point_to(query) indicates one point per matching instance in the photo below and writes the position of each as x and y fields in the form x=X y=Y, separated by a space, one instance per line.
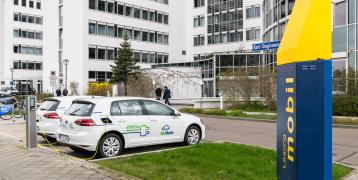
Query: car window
x=115 y=111
x=80 y=109
x=49 y=105
x=127 y=108
x=155 y=108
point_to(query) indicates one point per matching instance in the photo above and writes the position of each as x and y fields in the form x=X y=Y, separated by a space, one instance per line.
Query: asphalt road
x=345 y=141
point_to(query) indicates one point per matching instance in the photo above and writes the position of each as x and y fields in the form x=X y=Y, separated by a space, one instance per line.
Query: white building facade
x=21 y=45
x=87 y=33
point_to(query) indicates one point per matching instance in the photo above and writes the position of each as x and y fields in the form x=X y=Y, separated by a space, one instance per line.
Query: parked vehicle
x=49 y=113
x=8 y=91
x=108 y=125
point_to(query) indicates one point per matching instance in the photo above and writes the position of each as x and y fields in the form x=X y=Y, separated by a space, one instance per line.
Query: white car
x=108 y=125
x=49 y=113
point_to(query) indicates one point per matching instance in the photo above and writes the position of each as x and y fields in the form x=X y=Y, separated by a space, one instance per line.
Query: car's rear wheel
x=110 y=145
x=192 y=135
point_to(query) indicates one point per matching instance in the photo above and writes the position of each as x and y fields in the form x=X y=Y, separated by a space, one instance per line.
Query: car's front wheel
x=110 y=145
x=192 y=135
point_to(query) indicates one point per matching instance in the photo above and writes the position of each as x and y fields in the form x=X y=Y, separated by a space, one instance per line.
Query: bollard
x=31 y=134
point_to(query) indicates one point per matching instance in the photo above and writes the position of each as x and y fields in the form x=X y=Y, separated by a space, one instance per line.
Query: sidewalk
x=16 y=162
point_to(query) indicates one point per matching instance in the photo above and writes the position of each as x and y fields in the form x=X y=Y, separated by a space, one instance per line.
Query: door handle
x=153 y=120
x=122 y=121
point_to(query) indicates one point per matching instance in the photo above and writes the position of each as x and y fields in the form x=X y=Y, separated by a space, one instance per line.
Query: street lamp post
x=12 y=78
x=66 y=62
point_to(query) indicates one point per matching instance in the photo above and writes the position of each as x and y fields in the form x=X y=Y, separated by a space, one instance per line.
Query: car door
x=167 y=127
x=128 y=115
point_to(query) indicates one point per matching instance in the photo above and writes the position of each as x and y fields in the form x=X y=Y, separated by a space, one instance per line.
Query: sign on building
x=266 y=46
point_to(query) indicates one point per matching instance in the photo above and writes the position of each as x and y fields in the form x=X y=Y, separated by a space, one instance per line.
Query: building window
x=253 y=34
x=92 y=28
x=110 y=6
x=199 y=3
x=92 y=4
x=129 y=11
x=120 y=32
x=199 y=40
x=253 y=12
x=92 y=53
x=340 y=14
x=16 y=2
x=199 y=21
x=31 y=4
x=110 y=30
x=120 y=10
x=23 y=3
x=110 y=54
x=137 y=13
x=101 y=53
x=101 y=29
x=38 y=5
x=102 y=5
x=25 y=49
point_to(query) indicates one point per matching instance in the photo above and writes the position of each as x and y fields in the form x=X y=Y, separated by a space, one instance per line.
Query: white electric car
x=49 y=113
x=108 y=125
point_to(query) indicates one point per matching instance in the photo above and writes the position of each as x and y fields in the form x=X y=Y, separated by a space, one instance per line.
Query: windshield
x=49 y=105
x=80 y=109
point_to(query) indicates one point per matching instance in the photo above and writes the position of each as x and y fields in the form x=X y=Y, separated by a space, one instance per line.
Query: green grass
x=205 y=161
x=345 y=121
x=232 y=113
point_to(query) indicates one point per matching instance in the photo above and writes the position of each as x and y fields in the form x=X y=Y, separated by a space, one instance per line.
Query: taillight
x=85 y=122
x=51 y=115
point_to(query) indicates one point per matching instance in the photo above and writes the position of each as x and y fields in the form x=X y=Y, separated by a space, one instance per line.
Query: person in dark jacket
x=58 y=92
x=167 y=95
x=65 y=92
x=158 y=93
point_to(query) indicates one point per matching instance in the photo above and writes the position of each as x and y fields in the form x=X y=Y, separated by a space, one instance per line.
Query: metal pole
x=66 y=61
x=12 y=78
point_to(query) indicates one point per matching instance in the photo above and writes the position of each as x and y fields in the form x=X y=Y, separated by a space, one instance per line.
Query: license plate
x=64 y=138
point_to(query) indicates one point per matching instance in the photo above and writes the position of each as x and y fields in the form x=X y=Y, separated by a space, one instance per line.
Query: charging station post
x=31 y=134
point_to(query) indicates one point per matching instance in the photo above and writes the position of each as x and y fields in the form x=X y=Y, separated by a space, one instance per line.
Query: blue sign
x=304 y=126
x=266 y=46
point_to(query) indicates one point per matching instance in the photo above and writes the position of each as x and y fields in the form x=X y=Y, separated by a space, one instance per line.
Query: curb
x=267 y=120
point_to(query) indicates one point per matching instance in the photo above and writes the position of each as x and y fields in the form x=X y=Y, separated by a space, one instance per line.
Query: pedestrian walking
x=158 y=93
x=167 y=95
x=65 y=92
x=58 y=92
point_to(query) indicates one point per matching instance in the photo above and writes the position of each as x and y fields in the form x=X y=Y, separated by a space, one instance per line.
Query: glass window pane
x=351 y=37
x=351 y=11
x=101 y=29
x=101 y=53
x=92 y=28
x=130 y=108
x=340 y=39
x=155 y=108
x=102 y=5
x=340 y=14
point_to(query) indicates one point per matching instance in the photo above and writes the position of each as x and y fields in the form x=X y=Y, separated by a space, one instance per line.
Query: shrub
x=192 y=110
x=254 y=106
x=42 y=96
x=345 y=105
x=216 y=112
x=99 y=89
x=236 y=113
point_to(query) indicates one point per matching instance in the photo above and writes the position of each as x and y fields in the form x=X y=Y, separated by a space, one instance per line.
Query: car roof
x=111 y=99
x=70 y=98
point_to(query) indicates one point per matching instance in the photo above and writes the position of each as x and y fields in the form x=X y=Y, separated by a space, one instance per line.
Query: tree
x=124 y=68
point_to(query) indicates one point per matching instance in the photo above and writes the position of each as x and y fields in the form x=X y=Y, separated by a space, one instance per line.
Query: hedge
x=345 y=105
